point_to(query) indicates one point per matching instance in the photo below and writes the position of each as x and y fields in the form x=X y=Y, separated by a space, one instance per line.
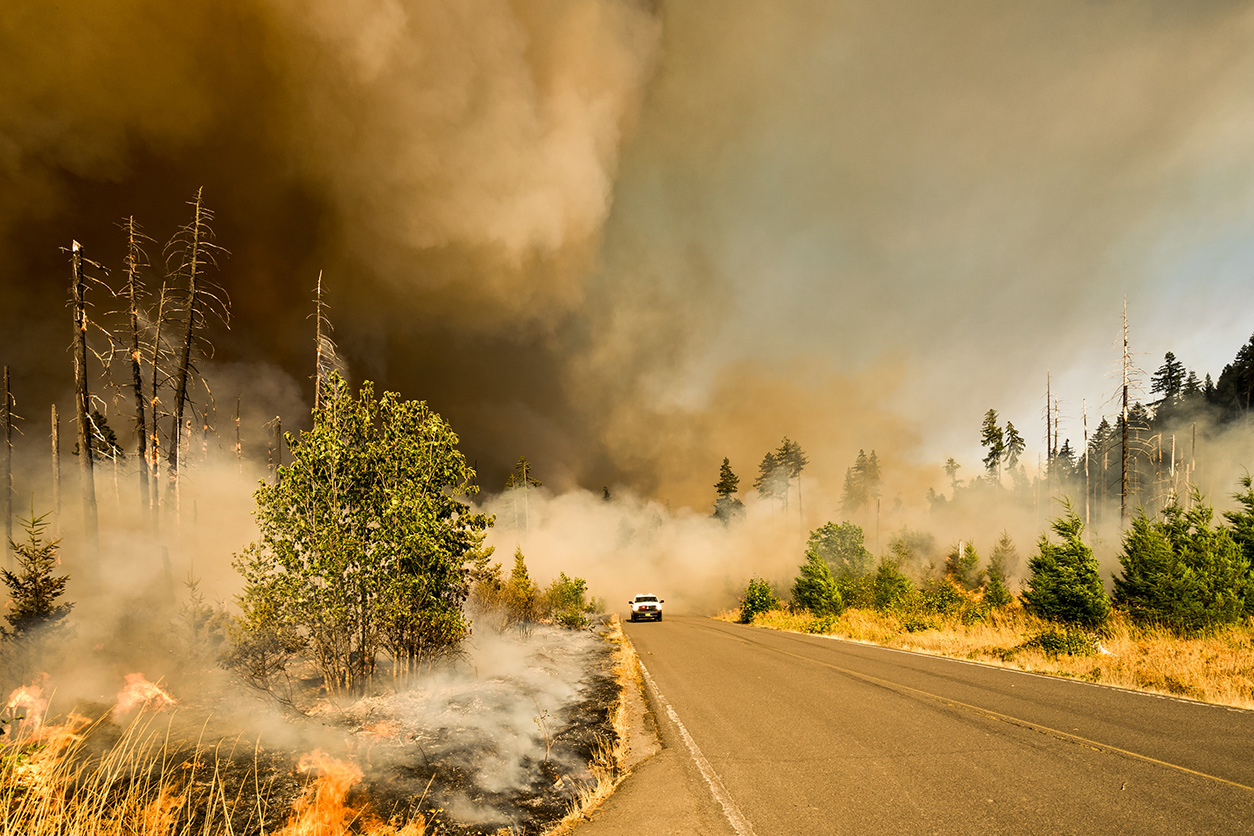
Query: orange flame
x=139 y=691
x=38 y=771
x=29 y=698
x=321 y=810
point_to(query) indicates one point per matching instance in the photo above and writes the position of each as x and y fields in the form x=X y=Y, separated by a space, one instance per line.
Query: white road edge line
x=737 y=819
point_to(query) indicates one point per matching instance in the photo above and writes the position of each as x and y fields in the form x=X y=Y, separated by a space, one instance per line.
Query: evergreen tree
x=1003 y=561
x=727 y=507
x=891 y=588
x=993 y=439
x=1181 y=572
x=951 y=470
x=815 y=588
x=862 y=483
x=1014 y=445
x=35 y=589
x=772 y=481
x=961 y=566
x=1064 y=584
x=1232 y=393
x=1169 y=379
x=1242 y=520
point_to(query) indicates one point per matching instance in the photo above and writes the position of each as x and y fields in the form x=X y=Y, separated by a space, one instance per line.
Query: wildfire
x=29 y=698
x=139 y=691
x=321 y=811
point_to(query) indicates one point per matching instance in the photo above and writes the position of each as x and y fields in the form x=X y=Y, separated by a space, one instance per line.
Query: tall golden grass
x=1216 y=668
x=146 y=784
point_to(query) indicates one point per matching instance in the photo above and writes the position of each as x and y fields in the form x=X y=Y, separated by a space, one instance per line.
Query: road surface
x=779 y=733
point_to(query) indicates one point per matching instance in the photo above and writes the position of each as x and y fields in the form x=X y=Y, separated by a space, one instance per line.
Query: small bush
x=758 y=598
x=1055 y=642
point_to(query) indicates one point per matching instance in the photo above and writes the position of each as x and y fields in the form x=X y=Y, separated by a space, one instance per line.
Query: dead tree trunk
x=134 y=259
x=195 y=248
x=154 y=461
x=1123 y=483
x=8 y=469
x=191 y=267
x=56 y=470
x=91 y=523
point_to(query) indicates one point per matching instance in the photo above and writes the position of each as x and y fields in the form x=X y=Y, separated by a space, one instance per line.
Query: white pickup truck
x=646 y=606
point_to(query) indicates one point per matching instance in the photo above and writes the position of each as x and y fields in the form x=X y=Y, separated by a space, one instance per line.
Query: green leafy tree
x=758 y=598
x=366 y=544
x=842 y=547
x=1182 y=572
x=815 y=588
x=566 y=600
x=1064 y=584
x=34 y=590
x=727 y=507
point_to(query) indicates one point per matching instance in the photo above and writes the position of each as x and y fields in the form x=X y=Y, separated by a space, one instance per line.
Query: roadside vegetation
x=1180 y=620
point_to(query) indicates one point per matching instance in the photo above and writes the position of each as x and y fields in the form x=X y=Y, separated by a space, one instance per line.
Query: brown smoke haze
x=628 y=238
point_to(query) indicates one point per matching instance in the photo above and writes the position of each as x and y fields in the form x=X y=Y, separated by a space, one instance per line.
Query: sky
x=626 y=239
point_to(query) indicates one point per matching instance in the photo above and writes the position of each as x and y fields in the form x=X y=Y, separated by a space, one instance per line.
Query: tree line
x=1180 y=570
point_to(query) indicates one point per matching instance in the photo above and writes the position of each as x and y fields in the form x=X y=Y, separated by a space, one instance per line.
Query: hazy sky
x=627 y=239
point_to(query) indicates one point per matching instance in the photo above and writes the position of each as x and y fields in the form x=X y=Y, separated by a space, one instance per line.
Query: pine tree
x=961 y=566
x=951 y=470
x=1003 y=560
x=1064 y=584
x=1169 y=379
x=992 y=438
x=1181 y=572
x=1014 y=445
x=34 y=590
x=772 y=481
x=727 y=507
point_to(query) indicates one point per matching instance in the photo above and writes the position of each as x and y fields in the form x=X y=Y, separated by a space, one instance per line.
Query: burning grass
x=457 y=755
x=1218 y=668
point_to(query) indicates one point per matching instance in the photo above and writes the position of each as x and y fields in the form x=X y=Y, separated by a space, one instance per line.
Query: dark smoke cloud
x=627 y=241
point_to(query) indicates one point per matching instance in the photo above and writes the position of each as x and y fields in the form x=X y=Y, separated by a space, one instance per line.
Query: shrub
x=1056 y=642
x=891 y=589
x=565 y=601
x=758 y=598
x=815 y=589
x=1064 y=584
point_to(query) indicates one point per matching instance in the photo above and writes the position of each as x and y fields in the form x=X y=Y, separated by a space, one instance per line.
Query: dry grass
x=143 y=784
x=608 y=762
x=1218 y=668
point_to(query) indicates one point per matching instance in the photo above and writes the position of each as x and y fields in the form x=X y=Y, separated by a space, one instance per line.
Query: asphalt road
x=778 y=733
